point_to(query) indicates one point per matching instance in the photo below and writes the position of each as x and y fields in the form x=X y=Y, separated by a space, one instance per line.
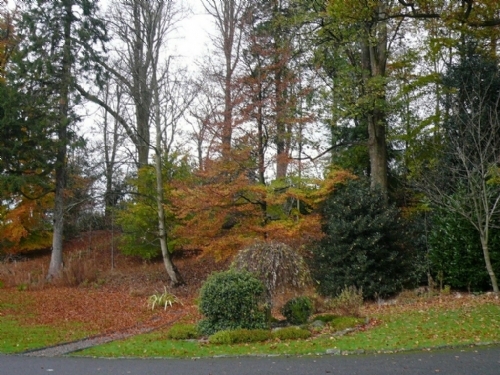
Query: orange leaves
x=24 y=225
x=226 y=210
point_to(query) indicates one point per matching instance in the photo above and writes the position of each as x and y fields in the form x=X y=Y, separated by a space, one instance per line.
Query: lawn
x=434 y=323
x=21 y=331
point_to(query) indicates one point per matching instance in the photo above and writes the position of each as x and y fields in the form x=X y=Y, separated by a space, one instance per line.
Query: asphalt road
x=480 y=361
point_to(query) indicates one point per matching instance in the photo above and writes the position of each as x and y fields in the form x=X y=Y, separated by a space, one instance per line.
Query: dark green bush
x=183 y=332
x=366 y=244
x=455 y=253
x=291 y=333
x=230 y=300
x=240 y=336
x=297 y=310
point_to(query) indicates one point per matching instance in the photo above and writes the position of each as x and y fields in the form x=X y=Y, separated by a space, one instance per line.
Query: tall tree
x=141 y=30
x=8 y=40
x=58 y=36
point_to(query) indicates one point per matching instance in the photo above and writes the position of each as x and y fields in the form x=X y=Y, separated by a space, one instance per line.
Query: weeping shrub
x=276 y=264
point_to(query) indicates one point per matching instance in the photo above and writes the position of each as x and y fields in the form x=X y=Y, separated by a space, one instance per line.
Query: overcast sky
x=192 y=34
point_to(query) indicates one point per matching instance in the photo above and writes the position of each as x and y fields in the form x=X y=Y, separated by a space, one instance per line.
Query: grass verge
x=20 y=332
x=16 y=337
x=403 y=330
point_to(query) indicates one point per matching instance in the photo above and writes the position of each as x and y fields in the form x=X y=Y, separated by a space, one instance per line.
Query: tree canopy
x=101 y=118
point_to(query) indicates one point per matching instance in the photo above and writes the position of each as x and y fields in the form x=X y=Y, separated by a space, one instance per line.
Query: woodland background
x=364 y=134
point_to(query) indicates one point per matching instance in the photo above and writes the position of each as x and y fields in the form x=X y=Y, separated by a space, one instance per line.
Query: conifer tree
x=56 y=52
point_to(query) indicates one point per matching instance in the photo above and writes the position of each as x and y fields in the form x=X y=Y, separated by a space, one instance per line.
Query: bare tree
x=113 y=139
x=227 y=16
x=466 y=181
x=141 y=29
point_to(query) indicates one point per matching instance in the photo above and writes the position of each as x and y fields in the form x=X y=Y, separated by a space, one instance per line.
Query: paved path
x=476 y=361
x=70 y=347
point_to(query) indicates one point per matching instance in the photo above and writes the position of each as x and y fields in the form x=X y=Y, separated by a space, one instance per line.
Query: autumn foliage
x=24 y=225
x=223 y=209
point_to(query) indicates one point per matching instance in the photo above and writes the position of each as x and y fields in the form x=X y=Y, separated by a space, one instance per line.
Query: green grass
x=398 y=331
x=16 y=335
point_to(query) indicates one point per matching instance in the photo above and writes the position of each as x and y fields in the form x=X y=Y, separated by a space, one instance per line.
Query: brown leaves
x=99 y=311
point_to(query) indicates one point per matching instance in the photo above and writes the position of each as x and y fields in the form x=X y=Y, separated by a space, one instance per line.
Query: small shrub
x=348 y=302
x=77 y=271
x=291 y=333
x=446 y=291
x=231 y=300
x=326 y=318
x=240 y=336
x=297 y=310
x=344 y=322
x=221 y=338
x=183 y=332
x=164 y=299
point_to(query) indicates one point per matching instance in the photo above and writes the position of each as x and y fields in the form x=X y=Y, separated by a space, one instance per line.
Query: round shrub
x=366 y=244
x=231 y=300
x=276 y=264
x=297 y=310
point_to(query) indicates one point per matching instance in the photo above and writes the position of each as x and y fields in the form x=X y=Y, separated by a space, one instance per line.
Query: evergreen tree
x=55 y=51
x=365 y=244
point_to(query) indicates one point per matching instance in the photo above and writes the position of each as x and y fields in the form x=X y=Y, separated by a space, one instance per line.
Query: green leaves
x=230 y=300
x=366 y=244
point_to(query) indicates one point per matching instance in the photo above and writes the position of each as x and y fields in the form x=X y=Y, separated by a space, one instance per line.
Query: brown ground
x=105 y=298
x=110 y=299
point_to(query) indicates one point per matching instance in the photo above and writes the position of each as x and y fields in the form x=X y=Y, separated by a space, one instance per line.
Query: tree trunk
x=374 y=60
x=227 y=127
x=377 y=151
x=487 y=261
x=56 y=259
x=172 y=271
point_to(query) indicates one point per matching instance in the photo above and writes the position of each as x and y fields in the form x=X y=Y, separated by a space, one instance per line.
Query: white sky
x=192 y=35
x=194 y=31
